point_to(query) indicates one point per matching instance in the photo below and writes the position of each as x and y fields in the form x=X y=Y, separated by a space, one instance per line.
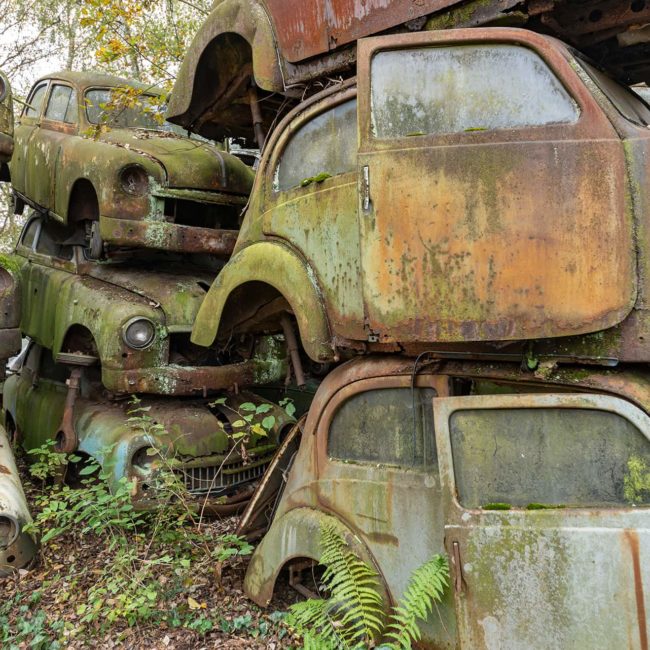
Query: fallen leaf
x=193 y=603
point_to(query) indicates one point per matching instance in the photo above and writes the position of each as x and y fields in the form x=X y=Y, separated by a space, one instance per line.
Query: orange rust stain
x=4 y=470
x=632 y=538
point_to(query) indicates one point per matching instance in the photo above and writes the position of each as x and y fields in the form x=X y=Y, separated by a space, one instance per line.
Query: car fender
x=84 y=159
x=17 y=548
x=296 y=534
x=246 y=18
x=277 y=265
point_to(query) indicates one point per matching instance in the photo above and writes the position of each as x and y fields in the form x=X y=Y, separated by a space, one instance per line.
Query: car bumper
x=163 y=235
x=182 y=380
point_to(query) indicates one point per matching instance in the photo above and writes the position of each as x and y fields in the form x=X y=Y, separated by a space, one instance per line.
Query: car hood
x=189 y=164
x=179 y=295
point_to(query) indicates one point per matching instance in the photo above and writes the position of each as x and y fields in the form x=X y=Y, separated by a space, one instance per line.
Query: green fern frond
x=353 y=587
x=426 y=587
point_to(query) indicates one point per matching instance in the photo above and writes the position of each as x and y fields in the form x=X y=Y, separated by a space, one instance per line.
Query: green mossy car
x=94 y=150
x=201 y=440
x=130 y=315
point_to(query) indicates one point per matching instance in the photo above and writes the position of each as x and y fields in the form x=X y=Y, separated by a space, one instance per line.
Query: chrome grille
x=217 y=479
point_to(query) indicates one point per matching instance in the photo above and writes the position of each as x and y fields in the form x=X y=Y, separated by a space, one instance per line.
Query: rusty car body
x=17 y=548
x=536 y=488
x=193 y=438
x=93 y=150
x=6 y=125
x=517 y=212
x=131 y=316
x=246 y=48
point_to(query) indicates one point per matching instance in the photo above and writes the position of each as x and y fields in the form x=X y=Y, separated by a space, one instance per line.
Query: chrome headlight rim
x=143 y=461
x=134 y=179
x=138 y=345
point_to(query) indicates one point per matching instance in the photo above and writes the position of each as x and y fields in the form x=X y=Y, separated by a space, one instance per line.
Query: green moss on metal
x=496 y=506
x=637 y=481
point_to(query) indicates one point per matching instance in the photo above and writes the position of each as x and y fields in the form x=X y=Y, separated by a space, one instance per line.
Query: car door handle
x=365 y=188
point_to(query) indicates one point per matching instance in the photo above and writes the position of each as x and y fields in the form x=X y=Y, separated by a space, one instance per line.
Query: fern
x=425 y=588
x=353 y=615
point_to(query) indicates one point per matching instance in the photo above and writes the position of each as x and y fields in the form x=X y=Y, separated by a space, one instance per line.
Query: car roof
x=88 y=78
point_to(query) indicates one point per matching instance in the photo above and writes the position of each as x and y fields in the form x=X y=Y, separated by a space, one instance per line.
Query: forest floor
x=141 y=588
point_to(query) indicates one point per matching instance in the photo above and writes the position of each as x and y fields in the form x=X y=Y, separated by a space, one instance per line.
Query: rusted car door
x=492 y=191
x=311 y=202
x=23 y=133
x=378 y=472
x=547 y=519
x=58 y=123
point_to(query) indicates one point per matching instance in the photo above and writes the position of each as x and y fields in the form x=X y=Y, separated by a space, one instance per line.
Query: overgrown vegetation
x=352 y=616
x=153 y=570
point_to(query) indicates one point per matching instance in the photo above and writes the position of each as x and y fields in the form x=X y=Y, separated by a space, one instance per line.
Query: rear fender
x=295 y=534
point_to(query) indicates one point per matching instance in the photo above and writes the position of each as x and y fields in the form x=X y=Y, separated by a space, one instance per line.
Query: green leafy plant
x=353 y=614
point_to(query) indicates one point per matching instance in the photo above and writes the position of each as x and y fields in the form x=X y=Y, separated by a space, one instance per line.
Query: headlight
x=144 y=458
x=134 y=180
x=3 y=87
x=139 y=333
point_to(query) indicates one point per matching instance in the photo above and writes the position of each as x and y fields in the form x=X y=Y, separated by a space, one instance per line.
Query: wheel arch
x=275 y=265
x=84 y=196
x=297 y=534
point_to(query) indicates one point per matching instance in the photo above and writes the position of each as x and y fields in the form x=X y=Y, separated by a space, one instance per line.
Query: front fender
x=296 y=534
x=278 y=266
x=246 y=18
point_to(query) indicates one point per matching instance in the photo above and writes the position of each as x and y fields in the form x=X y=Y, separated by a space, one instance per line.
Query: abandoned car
x=394 y=238
x=252 y=59
x=94 y=151
x=536 y=489
x=198 y=439
x=6 y=125
x=130 y=318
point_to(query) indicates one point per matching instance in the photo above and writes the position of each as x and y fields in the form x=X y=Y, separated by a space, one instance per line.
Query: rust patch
x=4 y=470
x=632 y=538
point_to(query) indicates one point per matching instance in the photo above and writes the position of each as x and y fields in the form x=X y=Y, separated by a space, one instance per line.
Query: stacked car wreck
x=467 y=217
x=131 y=221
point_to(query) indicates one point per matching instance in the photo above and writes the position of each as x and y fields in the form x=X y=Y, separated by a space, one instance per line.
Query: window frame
x=482 y=45
x=444 y=408
x=438 y=383
x=303 y=113
x=62 y=124
x=46 y=83
x=70 y=265
x=591 y=119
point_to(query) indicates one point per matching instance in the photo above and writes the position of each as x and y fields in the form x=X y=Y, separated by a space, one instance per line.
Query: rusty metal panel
x=17 y=549
x=508 y=561
x=306 y=29
x=495 y=235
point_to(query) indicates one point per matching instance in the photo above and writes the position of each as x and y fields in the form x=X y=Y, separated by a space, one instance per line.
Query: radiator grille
x=216 y=479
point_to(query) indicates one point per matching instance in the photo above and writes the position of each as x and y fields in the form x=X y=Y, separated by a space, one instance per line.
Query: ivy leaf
x=89 y=469
x=268 y=422
x=247 y=406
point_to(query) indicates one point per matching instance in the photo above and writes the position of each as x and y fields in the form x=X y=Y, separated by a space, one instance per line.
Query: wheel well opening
x=83 y=205
x=252 y=307
x=79 y=340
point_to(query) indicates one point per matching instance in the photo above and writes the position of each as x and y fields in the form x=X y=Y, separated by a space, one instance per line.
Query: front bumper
x=180 y=380
x=162 y=235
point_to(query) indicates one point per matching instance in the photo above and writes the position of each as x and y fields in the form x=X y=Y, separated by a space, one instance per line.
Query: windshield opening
x=121 y=108
x=626 y=102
